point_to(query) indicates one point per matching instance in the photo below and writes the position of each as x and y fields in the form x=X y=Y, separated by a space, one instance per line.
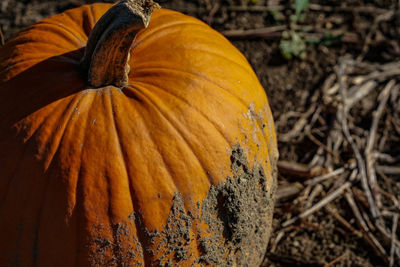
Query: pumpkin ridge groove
x=27 y=137
x=47 y=177
x=247 y=107
x=81 y=148
x=198 y=75
x=196 y=230
x=194 y=107
x=14 y=65
x=92 y=17
x=240 y=65
x=108 y=220
x=83 y=35
x=122 y=153
x=79 y=182
x=161 y=155
x=23 y=153
x=142 y=240
x=61 y=27
x=48 y=160
x=162 y=28
x=12 y=176
x=174 y=126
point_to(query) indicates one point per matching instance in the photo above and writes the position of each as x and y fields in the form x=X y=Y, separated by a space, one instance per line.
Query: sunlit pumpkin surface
x=177 y=168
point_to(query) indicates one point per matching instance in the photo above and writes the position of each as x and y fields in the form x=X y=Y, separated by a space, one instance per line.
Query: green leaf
x=295 y=46
x=301 y=5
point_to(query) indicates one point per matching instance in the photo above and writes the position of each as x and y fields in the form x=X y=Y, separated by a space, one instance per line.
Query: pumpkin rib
x=30 y=134
x=176 y=187
x=62 y=129
x=93 y=20
x=18 y=66
x=74 y=104
x=152 y=33
x=79 y=181
x=163 y=115
x=26 y=148
x=249 y=72
x=167 y=166
x=82 y=33
x=75 y=101
x=37 y=60
x=172 y=15
x=229 y=143
x=39 y=27
x=151 y=137
x=140 y=236
x=123 y=153
x=198 y=75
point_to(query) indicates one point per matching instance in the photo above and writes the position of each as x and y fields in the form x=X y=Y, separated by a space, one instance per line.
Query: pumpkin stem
x=108 y=49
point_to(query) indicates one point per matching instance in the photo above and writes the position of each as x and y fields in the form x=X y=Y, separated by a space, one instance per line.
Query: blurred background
x=331 y=71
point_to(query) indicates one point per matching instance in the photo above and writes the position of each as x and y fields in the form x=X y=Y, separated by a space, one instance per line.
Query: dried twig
x=357 y=92
x=382 y=17
x=213 y=11
x=273 y=32
x=387 y=235
x=318 y=189
x=384 y=96
x=338 y=259
x=319 y=205
x=300 y=170
x=288 y=191
x=299 y=126
x=324 y=177
x=368 y=236
x=342 y=221
x=391 y=170
x=318 y=143
x=393 y=246
x=349 y=138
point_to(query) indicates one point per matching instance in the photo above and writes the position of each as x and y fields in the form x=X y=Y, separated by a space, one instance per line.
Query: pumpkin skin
x=133 y=176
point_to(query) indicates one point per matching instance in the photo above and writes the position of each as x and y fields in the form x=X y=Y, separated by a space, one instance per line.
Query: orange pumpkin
x=160 y=152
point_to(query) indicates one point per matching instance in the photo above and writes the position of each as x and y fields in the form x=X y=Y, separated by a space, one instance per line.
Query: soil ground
x=292 y=86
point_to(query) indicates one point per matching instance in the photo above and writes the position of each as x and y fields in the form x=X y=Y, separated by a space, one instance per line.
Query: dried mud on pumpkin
x=235 y=211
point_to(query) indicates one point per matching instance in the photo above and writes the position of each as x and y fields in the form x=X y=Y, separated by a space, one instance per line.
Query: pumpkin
x=128 y=141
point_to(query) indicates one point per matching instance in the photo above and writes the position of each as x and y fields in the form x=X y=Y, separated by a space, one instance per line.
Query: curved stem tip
x=108 y=48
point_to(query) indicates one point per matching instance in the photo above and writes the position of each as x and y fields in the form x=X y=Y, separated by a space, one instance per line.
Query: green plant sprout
x=294 y=43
